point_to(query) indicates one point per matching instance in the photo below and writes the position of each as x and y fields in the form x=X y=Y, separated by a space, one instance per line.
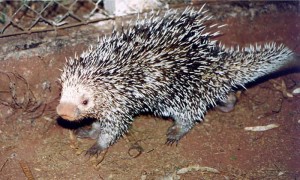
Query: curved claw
x=174 y=134
x=170 y=142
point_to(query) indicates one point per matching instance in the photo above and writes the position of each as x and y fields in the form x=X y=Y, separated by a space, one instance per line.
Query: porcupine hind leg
x=178 y=130
x=228 y=104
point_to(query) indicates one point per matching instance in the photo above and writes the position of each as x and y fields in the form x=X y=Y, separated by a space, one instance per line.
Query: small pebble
x=296 y=91
x=262 y=128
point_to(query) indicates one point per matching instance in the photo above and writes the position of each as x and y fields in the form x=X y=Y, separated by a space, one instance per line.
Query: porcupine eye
x=85 y=102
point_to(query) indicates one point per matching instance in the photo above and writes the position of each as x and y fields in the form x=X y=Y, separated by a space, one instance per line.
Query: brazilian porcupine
x=169 y=66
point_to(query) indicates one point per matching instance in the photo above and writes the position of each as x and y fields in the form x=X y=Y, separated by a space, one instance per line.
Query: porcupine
x=167 y=65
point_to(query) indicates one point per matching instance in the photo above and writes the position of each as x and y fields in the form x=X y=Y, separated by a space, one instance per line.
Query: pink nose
x=68 y=111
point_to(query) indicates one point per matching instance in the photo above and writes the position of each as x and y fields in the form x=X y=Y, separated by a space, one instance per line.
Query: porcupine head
x=167 y=65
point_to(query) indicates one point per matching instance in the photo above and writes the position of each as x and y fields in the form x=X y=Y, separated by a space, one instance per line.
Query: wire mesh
x=20 y=17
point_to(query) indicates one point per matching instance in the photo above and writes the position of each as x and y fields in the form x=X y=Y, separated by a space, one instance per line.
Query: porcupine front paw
x=103 y=142
x=174 y=134
x=96 y=149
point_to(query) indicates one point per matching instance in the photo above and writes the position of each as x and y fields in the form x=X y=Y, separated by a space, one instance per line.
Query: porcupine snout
x=68 y=111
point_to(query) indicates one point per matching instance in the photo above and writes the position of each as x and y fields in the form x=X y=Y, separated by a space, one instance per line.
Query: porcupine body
x=169 y=66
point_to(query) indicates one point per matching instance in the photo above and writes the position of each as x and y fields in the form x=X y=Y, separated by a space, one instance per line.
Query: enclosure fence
x=25 y=16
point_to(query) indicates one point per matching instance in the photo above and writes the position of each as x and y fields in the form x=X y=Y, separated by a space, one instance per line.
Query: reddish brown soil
x=33 y=142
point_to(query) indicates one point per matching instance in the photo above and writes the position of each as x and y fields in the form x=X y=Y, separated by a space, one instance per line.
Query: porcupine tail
x=253 y=62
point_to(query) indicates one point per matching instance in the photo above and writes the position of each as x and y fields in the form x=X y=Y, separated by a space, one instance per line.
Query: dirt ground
x=34 y=145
